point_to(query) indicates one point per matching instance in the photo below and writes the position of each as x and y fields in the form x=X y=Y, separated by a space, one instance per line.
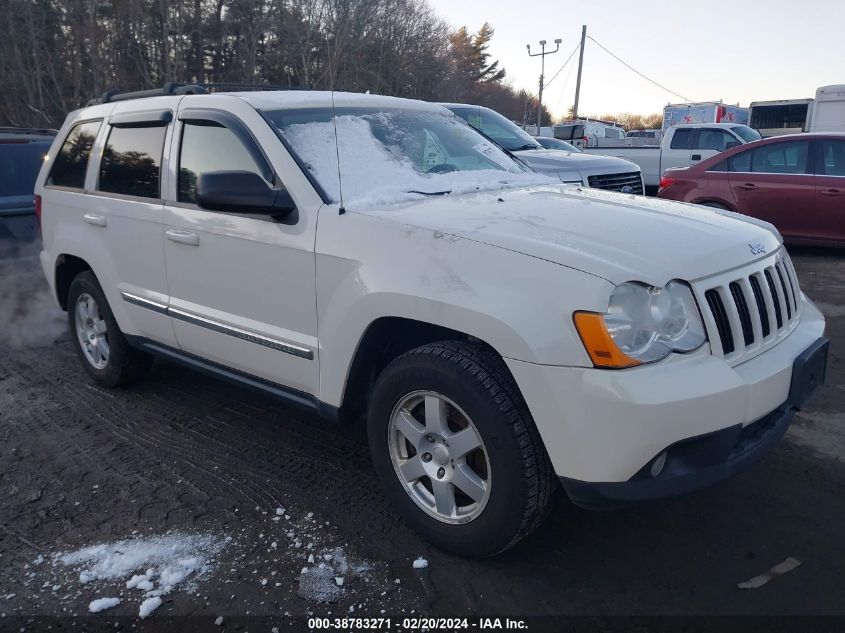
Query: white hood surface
x=614 y=236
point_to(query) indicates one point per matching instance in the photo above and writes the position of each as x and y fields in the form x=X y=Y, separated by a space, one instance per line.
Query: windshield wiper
x=431 y=193
x=526 y=146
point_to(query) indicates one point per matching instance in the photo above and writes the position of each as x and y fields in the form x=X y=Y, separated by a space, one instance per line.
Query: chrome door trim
x=217 y=326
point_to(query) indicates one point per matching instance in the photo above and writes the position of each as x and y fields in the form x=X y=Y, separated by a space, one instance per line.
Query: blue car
x=22 y=152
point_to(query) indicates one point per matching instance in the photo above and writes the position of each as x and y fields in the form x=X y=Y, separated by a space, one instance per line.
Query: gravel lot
x=185 y=454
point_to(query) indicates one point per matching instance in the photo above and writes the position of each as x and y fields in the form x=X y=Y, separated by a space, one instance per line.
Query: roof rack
x=179 y=88
x=29 y=130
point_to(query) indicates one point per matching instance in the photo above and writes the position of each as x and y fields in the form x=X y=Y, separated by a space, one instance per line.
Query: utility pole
x=580 y=68
x=542 y=55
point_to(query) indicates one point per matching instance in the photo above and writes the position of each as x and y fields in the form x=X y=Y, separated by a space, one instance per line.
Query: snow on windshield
x=397 y=155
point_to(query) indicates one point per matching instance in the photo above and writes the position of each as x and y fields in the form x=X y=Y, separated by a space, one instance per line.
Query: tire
x=114 y=364
x=511 y=462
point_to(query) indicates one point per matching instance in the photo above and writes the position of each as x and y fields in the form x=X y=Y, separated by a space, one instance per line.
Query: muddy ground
x=183 y=453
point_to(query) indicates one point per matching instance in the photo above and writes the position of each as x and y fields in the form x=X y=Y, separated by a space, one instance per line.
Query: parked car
x=589 y=132
x=796 y=182
x=600 y=172
x=499 y=331
x=555 y=143
x=22 y=152
x=682 y=145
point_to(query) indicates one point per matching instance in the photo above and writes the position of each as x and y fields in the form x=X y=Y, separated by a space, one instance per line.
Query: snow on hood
x=614 y=236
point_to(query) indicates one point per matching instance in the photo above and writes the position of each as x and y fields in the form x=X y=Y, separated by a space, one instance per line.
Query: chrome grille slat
x=615 y=182
x=750 y=310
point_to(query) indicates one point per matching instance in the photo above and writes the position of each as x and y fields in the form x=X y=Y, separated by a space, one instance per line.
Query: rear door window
x=131 y=163
x=19 y=166
x=71 y=161
x=682 y=138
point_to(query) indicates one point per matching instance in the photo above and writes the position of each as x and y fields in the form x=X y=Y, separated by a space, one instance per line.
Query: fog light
x=658 y=464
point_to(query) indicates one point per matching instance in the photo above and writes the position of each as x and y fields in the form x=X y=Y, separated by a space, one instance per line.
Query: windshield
x=383 y=155
x=746 y=133
x=505 y=132
x=554 y=143
x=569 y=132
x=19 y=166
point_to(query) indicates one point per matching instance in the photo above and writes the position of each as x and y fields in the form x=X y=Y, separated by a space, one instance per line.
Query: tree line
x=55 y=55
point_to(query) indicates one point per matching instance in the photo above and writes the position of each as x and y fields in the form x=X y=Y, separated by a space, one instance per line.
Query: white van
x=829 y=110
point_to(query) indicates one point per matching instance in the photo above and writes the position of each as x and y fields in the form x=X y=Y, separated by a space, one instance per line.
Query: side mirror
x=242 y=192
x=732 y=144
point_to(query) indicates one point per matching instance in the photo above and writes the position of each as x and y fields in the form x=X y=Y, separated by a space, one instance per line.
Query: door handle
x=696 y=157
x=833 y=193
x=748 y=186
x=183 y=237
x=94 y=219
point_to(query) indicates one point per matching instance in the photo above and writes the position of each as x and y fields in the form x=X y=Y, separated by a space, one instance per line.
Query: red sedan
x=796 y=182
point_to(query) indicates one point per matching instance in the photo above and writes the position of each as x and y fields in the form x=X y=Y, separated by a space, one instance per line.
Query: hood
x=560 y=162
x=614 y=236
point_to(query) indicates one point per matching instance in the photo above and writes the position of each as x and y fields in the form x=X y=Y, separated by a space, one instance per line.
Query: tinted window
x=612 y=132
x=682 y=139
x=131 y=163
x=721 y=166
x=210 y=147
x=781 y=158
x=833 y=158
x=746 y=133
x=740 y=162
x=71 y=162
x=569 y=132
x=715 y=139
x=19 y=165
x=505 y=132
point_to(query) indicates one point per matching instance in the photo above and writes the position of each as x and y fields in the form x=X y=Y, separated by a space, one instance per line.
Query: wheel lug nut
x=426 y=457
x=441 y=472
x=430 y=438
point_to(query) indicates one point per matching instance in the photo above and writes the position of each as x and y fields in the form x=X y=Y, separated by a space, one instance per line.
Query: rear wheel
x=715 y=205
x=103 y=350
x=457 y=450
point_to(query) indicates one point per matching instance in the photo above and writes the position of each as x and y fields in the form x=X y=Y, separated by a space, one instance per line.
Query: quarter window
x=209 y=146
x=833 y=158
x=131 y=163
x=71 y=162
x=682 y=139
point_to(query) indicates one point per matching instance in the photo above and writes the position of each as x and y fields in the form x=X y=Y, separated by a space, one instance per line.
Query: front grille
x=616 y=182
x=753 y=310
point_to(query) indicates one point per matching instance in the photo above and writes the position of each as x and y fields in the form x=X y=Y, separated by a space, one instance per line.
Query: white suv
x=372 y=257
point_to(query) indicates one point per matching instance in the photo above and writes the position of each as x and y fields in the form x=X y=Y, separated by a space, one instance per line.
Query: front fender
x=520 y=305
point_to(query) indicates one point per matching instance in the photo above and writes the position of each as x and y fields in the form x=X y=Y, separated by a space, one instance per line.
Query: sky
x=736 y=51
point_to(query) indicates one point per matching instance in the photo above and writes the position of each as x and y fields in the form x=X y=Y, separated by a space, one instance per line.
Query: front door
x=774 y=182
x=242 y=287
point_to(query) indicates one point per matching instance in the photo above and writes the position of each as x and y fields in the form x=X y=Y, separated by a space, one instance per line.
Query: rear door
x=712 y=141
x=122 y=219
x=830 y=190
x=774 y=182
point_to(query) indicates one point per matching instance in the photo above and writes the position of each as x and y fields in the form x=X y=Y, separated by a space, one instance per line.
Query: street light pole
x=542 y=55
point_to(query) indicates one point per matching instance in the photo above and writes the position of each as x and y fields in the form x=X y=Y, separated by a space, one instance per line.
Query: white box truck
x=704 y=112
x=783 y=116
x=828 y=113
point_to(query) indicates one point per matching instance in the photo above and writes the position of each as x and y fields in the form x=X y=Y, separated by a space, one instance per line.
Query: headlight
x=643 y=324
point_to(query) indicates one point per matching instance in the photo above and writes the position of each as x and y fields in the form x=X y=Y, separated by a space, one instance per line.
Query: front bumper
x=698 y=462
x=604 y=428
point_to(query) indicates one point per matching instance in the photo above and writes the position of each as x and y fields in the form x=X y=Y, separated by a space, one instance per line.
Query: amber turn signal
x=600 y=346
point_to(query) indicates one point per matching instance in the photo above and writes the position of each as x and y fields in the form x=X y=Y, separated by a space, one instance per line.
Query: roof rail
x=179 y=88
x=29 y=130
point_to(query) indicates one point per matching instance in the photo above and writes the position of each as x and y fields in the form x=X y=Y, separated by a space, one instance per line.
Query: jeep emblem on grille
x=757 y=248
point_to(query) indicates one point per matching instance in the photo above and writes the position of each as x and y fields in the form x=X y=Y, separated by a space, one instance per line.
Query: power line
x=568 y=59
x=627 y=65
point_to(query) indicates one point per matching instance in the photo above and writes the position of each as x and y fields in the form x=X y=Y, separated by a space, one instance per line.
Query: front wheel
x=457 y=450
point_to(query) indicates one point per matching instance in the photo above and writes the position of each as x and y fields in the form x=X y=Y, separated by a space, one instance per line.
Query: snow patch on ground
x=155 y=566
x=101 y=604
x=420 y=563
